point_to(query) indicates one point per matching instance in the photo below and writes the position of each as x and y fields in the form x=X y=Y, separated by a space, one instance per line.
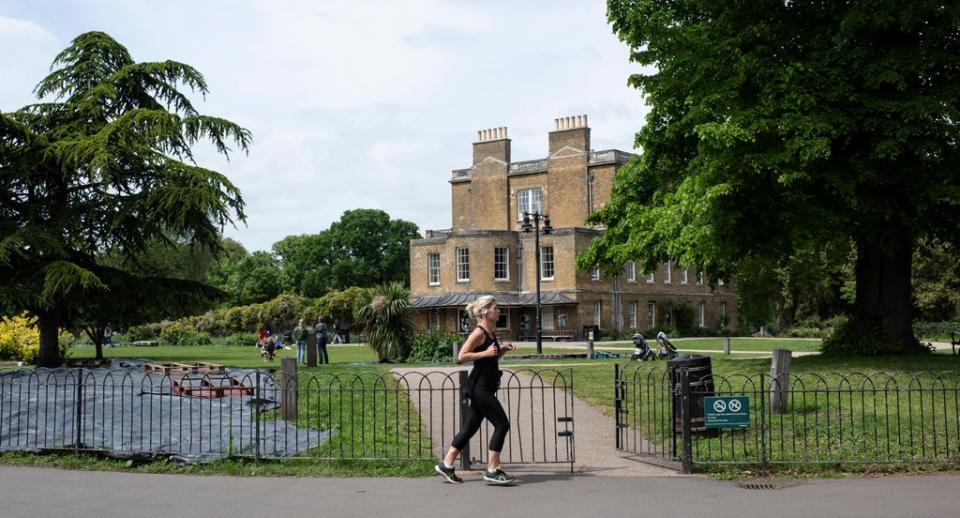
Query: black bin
x=596 y=332
x=700 y=378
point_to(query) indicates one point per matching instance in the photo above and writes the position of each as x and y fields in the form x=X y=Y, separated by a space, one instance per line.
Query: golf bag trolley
x=642 y=351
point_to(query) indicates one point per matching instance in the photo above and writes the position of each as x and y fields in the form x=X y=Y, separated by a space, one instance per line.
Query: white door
x=547 y=316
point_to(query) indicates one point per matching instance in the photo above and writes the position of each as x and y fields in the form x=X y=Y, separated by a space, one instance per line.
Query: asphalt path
x=42 y=492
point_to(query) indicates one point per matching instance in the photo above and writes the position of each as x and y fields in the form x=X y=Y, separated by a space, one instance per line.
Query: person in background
x=300 y=335
x=320 y=330
x=337 y=337
x=108 y=336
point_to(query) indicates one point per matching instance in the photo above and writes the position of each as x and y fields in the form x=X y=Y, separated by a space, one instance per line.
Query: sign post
x=726 y=411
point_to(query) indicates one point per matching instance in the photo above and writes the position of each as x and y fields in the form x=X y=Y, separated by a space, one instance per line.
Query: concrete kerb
x=596 y=454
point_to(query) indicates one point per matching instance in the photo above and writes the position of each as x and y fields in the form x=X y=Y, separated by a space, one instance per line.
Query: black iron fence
x=809 y=418
x=400 y=415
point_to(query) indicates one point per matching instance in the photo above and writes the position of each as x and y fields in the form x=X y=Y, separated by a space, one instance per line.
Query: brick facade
x=573 y=182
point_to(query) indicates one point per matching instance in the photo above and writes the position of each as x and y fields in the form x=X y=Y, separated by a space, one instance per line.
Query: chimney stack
x=493 y=143
x=572 y=132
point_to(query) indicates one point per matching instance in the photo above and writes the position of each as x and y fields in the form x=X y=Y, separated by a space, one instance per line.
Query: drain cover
x=757 y=485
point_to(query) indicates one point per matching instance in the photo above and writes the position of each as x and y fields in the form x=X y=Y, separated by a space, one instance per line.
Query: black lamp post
x=547 y=229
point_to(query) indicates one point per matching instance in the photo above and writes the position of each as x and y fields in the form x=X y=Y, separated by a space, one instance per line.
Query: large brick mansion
x=486 y=252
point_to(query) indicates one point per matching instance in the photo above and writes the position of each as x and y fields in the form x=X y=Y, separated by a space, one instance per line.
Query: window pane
x=546 y=262
x=463 y=264
x=501 y=258
x=433 y=269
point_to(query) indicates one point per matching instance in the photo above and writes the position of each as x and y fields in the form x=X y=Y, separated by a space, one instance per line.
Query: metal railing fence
x=404 y=415
x=827 y=418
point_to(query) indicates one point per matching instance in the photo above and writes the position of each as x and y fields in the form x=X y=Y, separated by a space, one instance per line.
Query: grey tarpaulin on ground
x=127 y=411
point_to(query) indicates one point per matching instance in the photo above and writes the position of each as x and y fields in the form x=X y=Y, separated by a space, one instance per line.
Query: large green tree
x=364 y=248
x=103 y=165
x=778 y=127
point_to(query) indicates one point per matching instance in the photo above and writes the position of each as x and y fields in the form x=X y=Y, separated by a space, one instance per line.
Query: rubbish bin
x=287 y=337
x=596 y=332
x=700 y=379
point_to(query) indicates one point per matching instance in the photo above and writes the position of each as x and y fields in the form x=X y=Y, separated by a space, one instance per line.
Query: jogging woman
x=485 y=351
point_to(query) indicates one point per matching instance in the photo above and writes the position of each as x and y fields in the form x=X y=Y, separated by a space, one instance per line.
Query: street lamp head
x=526 y=227
x=546 y=225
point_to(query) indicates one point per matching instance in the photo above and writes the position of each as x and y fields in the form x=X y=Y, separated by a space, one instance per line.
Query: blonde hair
x=478 y=308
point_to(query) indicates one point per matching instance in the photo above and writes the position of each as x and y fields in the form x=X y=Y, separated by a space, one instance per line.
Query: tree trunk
x=786 y=311
x=96 y=336
x=49 y=340
x=884 y=291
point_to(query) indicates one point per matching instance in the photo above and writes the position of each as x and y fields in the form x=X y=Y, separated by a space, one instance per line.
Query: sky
x=356 y=103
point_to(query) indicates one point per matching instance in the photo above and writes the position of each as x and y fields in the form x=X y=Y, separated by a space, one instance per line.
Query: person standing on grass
x=108 y=336
x=484 y=350
x=320 y=330
x=300 y=334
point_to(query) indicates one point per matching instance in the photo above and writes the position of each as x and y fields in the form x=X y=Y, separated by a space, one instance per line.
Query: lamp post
x=547 y=229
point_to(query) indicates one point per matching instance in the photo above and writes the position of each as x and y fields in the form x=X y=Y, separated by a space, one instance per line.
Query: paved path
x=51 y=493
x=594 y=432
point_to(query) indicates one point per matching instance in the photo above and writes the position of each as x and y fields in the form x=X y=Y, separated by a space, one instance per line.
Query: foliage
x=255 y=278
x=341 y=305
x=760 y=146
x=182 y=333
x=936 y=281
x=387 y=320
x=364 y=248
x=938 y=331
x=106 y=166
x=141 y=333
x=20 y=339
x=433 y=346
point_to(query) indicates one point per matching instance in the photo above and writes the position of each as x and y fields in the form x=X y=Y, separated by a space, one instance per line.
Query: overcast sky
x=355 y=103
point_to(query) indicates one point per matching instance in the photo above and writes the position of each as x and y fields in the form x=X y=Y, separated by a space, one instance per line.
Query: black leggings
x=484 y=404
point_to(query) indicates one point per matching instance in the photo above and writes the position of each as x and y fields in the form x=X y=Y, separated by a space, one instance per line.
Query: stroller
x=642 y=351
x=667 y=349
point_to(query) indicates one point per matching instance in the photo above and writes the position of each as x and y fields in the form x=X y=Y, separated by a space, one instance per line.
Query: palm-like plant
x=387 y=320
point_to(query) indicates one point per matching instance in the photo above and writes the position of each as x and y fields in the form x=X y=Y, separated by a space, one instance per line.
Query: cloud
x=365 y=103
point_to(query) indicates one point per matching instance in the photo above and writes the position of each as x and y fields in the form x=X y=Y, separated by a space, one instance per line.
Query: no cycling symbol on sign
x=726 y=412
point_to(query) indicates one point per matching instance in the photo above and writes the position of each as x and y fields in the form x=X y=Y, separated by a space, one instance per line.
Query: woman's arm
x=468 y=352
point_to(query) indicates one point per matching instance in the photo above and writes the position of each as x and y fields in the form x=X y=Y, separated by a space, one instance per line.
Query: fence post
x=79 y=420
x=763 y=426
x=617 y=405
x=687 y=434
x=455 y=345
x=288 y=391
x=257 y=396
x=726 y=345
x=311 y=350
x=779 y=380
x=464 y=416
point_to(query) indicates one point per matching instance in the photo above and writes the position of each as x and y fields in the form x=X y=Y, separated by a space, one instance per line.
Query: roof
x=505 y=299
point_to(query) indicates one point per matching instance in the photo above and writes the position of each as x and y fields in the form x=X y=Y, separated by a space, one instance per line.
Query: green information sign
x=726 y=412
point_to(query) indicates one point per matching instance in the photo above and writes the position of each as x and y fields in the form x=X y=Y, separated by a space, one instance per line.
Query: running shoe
x=448 y=473
x=499 y=477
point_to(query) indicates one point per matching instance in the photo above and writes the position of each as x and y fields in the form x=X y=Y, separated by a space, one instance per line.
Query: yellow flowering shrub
x=20 y=339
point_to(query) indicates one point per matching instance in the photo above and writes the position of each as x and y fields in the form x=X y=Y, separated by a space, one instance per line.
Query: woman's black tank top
x=486 y=371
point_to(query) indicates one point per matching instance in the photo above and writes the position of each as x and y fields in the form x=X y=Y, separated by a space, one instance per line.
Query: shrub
x=182 y=333
x=847 y=340
x=241 y=339
x=20 y=340
x=939 y=331
x=138 y=333
x=433 y=346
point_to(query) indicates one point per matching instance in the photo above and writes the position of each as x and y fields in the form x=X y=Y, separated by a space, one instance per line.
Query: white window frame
x=631 y=271
x=433 y=269
x=595 y=273
x=682 y=272
x=652 y=314
x=463 y=265
x=504 y=262
x=720 y=282
x=632 y=315
x=547 y=259
x=433 y=318
x=666 y=272
x=651 y=277
x=699 y=278
x=703 y=314
x=597 y=313
x=529 y=200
